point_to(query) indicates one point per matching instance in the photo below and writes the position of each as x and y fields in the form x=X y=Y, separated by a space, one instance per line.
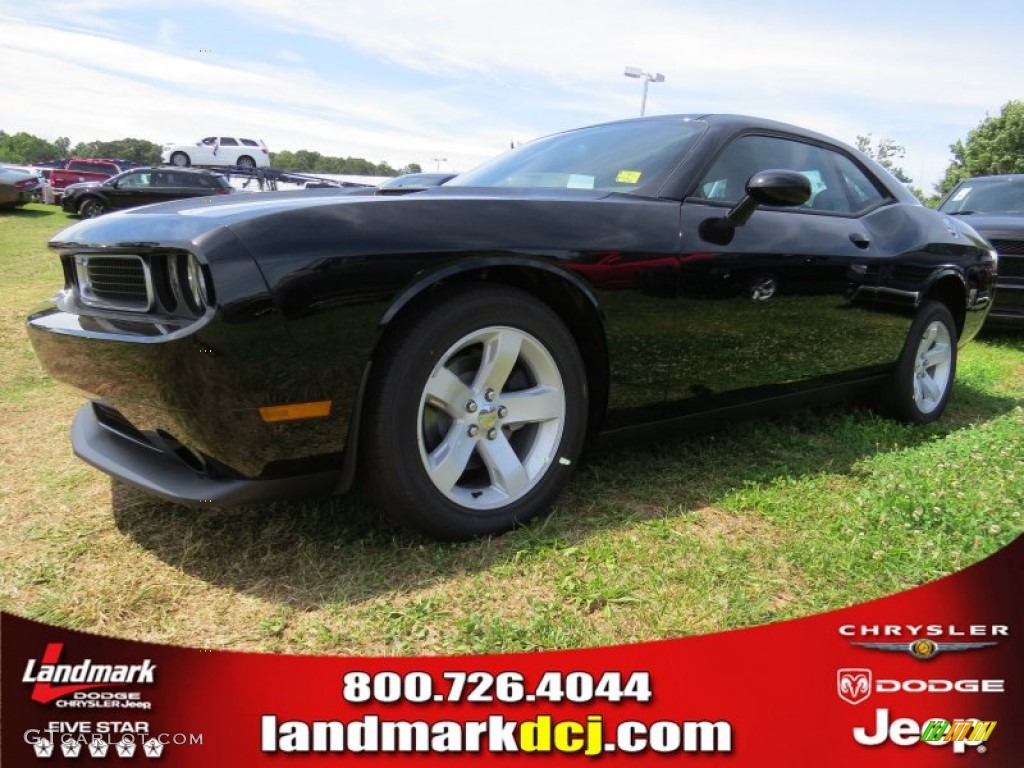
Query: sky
x=448 y=84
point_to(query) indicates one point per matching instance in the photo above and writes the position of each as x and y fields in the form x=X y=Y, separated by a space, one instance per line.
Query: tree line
x=996 y=146
x=24 y=149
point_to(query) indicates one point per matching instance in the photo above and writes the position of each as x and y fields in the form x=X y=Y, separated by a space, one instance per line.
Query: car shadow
x=343 y=551
x=27 y=213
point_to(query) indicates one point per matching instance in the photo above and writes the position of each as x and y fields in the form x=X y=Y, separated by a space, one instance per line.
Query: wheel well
x=570 y=303
x=950 y=291
x=89 y=199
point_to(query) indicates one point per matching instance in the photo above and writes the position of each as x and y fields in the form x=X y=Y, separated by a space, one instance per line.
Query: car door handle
x=861 y=241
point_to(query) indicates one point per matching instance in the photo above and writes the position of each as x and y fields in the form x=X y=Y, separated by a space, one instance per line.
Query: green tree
x=886 y=152
x=136 y=150
x=25 y=148
x=996 y=146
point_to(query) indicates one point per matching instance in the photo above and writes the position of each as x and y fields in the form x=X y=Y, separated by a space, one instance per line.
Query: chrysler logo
x=853 y=684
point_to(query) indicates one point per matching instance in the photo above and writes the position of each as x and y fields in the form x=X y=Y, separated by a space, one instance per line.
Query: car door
x=228 y=151
x=772 y=304
x=205 y=152
x=128 y=190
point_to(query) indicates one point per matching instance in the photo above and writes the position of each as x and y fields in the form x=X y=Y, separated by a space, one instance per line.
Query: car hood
x=448 y=218
x=81 y=185
x=995 y=224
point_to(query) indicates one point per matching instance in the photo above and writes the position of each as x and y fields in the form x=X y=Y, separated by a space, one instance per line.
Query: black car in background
x=994 y=206
x=456 y=348
x=141 y=186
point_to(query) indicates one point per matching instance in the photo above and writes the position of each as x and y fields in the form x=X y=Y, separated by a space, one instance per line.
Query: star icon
x=71 y=748
x=125 y=748
x=98 y=747
x=153 y=748
x=43 y=748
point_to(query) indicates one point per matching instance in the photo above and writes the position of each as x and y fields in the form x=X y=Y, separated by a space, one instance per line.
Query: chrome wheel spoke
x=939 y=353
x=506 y=470
x=533 y=405
x=501 y=351
x=448 y=461
x=446 y=391
x=931 y=391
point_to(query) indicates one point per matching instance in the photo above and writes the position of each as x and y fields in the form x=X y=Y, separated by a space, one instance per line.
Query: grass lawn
x=761 y=522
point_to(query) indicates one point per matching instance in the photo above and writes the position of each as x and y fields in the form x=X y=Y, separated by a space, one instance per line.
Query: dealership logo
x=52 y=680
x=853 y=685
x=923 y=648
x=924 y=641
x=936 y=732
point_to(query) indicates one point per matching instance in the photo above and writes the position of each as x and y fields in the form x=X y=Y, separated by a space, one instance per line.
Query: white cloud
x=405 y=82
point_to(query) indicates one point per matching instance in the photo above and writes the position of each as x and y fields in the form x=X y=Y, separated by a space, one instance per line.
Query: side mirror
x=775 y=187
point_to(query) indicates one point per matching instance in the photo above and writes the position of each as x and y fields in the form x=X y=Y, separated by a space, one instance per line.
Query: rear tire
x=181 y=160
x=477 y=414
x=920 y=385
x=246 y=162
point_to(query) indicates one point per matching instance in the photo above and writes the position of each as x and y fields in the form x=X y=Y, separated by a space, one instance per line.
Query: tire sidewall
x=407 y=493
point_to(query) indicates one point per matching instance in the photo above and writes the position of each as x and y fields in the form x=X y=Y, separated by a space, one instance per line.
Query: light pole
x=439 y=160
x=647 y=77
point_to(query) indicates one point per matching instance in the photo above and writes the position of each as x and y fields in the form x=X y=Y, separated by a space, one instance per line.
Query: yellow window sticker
x=628 y=177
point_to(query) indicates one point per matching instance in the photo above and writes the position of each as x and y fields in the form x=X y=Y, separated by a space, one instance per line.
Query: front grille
x=1015 y=247
x=114 y=282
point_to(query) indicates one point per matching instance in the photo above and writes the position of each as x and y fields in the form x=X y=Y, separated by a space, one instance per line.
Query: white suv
x=219 y=151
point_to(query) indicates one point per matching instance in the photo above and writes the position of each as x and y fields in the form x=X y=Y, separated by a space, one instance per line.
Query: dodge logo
x=853 y=685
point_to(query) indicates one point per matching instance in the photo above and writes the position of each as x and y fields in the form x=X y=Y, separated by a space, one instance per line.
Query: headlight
x=188 y=282
x=196 y=284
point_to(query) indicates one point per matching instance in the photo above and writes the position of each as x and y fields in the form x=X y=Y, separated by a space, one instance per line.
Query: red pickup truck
x=82 y=169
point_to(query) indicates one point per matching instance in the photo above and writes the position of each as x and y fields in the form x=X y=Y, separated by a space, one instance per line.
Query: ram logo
x=853 y=684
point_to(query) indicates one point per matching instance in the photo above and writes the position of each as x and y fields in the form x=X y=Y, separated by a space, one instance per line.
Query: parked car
x=142 y=186
x=17 y=187
x=218 y=151
x=450 y=350
x=994 y=206
x=413 y=182
x=81 y=169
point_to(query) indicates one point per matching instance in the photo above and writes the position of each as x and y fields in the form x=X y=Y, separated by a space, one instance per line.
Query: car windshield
x=988 y=196
x=634 y=156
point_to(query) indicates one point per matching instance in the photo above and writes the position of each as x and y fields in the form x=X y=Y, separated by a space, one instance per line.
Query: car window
x=986 y=197
x=621 y=157
x=210 y=141
x=837 y=184
x=226 y=142
x=249 y=143
x=134 y=180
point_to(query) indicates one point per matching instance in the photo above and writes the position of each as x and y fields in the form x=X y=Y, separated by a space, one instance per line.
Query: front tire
x=90 y=208
x=477 y=415
x=920 y=386
x=246 y=162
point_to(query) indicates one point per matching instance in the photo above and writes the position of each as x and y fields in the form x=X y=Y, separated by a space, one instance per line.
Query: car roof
x=197 y=171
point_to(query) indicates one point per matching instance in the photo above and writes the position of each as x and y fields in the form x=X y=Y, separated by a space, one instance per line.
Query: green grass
x=759 y=522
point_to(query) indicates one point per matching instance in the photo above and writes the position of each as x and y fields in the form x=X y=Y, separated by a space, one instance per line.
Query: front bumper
x=158 y=467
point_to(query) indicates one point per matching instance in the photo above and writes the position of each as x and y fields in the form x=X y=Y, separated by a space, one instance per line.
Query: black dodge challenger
x=455 y=349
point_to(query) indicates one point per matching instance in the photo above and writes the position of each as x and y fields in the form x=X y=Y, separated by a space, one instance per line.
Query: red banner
x=929 y=677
